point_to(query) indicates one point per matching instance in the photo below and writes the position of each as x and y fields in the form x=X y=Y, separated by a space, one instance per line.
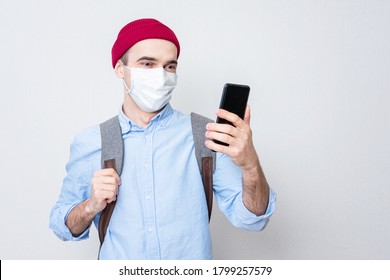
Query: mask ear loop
x=127 y=88
x=123 y=79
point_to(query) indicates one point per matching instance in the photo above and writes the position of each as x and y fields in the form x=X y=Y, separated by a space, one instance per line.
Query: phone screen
x=234 y=99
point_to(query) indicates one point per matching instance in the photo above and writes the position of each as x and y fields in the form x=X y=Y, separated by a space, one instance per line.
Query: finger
x=105 y=180
x=231 y=117
x=247 y=117
x=105 y=195
x=108 y=180
x=223 y=128
x=111 y=199
x=216 y=147
x=98 y=186
x=223 y=137
x=108 y=172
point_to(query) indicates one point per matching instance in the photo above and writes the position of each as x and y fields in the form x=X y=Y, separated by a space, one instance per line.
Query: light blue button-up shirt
x=161 y=210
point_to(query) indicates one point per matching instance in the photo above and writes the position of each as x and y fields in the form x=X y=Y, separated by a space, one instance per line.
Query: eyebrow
x=174 y=61
x=147 y=58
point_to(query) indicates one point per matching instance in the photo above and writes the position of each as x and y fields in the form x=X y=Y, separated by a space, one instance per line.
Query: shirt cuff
x=60 y=228
x=251 y=221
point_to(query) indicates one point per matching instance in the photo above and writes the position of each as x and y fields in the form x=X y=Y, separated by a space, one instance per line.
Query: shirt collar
x=160 y=119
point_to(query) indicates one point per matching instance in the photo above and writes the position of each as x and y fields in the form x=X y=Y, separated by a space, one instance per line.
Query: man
x=160 y=211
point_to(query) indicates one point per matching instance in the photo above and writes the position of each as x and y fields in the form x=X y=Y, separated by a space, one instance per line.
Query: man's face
x=151 y=53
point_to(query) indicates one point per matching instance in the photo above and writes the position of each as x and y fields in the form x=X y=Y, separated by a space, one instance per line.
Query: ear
x=119 y=70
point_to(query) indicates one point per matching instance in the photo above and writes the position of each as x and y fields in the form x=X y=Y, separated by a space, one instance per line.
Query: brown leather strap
x=105 y=216
x=207 y=179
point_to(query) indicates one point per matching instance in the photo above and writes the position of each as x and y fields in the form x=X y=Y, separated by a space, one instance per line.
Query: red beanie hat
x=139 y=30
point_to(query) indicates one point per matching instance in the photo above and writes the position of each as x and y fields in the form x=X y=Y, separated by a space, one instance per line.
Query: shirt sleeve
x=58 y=217
x=228 y=192
x=76 y=185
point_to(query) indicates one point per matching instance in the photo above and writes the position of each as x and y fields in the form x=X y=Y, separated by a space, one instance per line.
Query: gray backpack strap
x=204 y=156
x=112 y=157
x=112 y=142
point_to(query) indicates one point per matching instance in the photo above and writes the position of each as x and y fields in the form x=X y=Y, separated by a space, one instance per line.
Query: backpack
x=113 y=151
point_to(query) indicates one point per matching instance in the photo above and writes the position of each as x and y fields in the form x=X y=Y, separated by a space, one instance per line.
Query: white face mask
x=151 y=89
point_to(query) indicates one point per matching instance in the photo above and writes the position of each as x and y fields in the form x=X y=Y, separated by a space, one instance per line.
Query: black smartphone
x=234 y=99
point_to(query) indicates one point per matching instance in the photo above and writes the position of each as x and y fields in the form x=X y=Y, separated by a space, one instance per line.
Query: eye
x=146 y=64
x=171 y=67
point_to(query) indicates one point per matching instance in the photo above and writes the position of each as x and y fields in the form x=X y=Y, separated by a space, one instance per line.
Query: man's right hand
x=105 y=188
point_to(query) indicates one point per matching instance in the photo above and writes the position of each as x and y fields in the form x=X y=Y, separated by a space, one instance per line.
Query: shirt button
x=146 y=165
x=147 y=197
x=150 y=229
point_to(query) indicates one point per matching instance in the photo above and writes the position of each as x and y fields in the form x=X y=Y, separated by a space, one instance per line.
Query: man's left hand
x=239 y=138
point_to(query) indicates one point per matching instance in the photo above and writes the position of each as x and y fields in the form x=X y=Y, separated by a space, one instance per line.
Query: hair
x=124 y=58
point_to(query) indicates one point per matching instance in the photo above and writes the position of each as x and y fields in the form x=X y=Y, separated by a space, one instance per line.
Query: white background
x=319 y=74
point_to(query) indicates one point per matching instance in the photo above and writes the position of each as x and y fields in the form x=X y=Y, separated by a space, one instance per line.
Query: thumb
x=247 y=116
